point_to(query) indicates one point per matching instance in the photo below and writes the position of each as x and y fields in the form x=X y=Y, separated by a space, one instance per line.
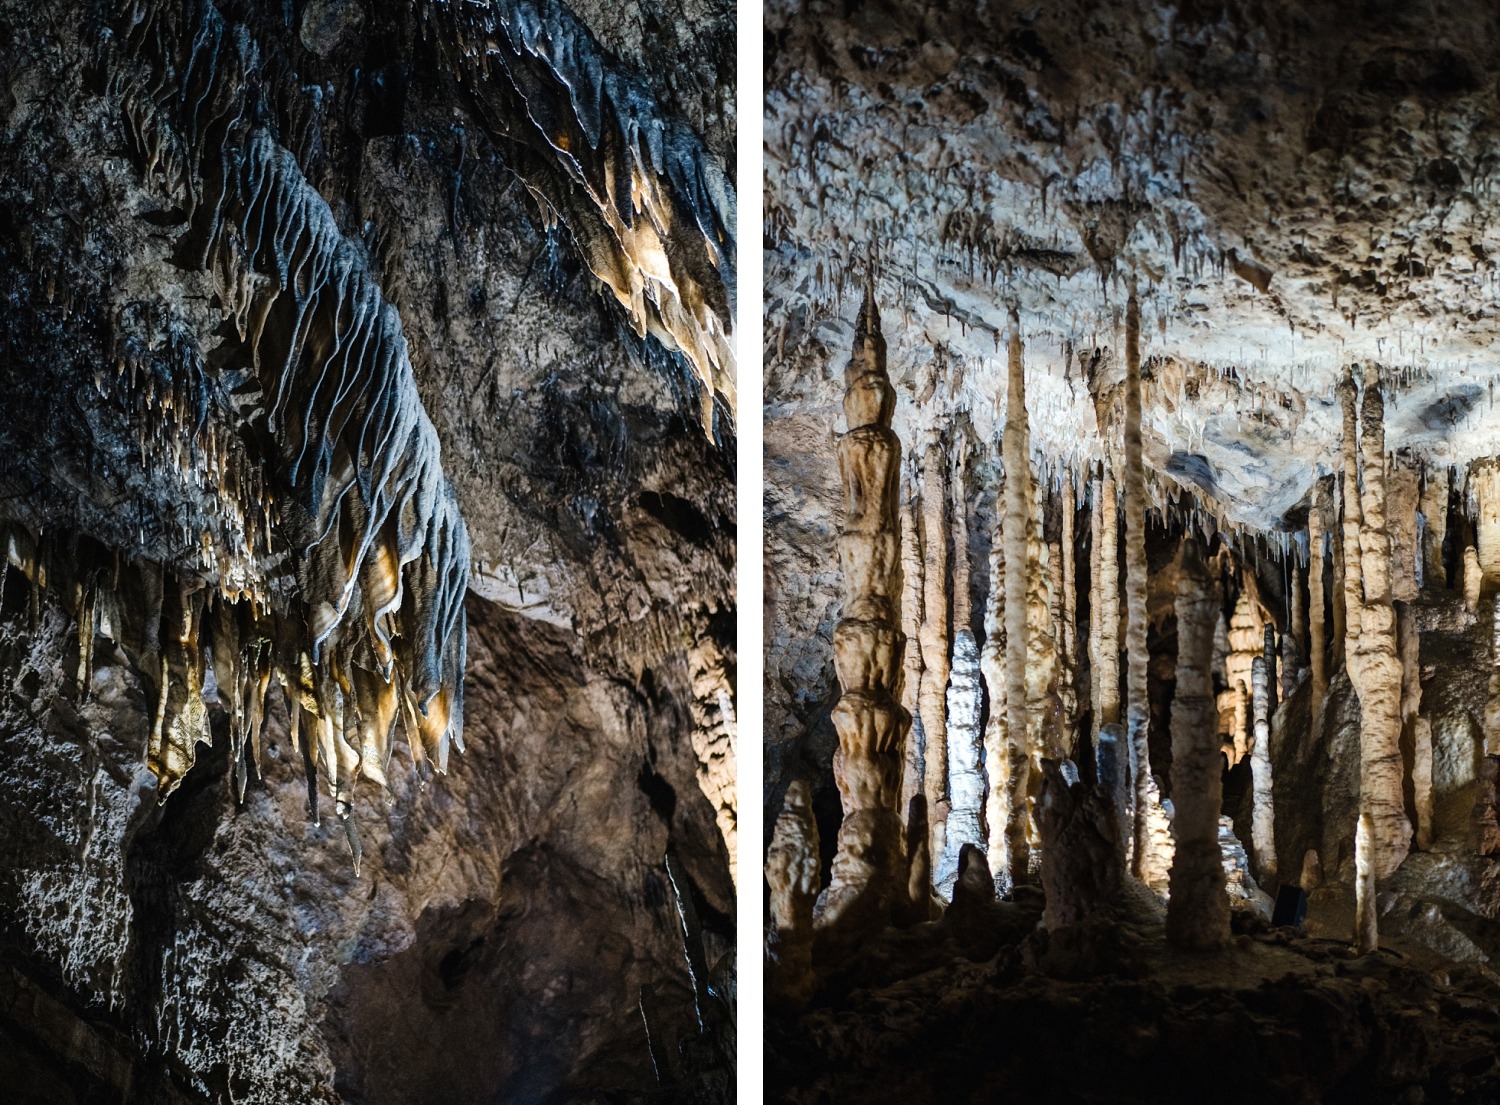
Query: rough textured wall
x=513 y=932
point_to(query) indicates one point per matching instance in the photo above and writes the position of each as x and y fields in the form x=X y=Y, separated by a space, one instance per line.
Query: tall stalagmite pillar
x=1147 y=862
x=1317 y=646
x=1263 y=815
x=1069 y=641
x=992 y=664
x=1016 y=451
x=868 y=869
x=934 y=637
x=1107 y=656
x=1371 y=657
x=1198 y=909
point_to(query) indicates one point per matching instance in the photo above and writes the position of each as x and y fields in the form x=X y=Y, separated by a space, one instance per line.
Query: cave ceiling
x=1291 y=188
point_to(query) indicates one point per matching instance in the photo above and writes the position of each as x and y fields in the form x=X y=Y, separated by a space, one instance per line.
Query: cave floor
x=1111 y=1013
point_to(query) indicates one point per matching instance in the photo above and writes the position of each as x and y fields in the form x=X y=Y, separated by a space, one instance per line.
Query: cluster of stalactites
x=368 y=607
x=650 y=208
x=201 y=650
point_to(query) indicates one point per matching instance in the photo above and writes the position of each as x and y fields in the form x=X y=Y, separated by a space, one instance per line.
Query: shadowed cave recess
x=367 y=648
x=1133 y=541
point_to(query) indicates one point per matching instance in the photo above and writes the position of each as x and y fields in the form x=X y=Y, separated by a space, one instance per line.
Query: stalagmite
x=1268 y=656
x=1492 y=705
x=911 y=625
x=932 y=700
x=1107 y=655
x=1069 y=641
x=1096 y=542
x=1434 y=507
x=1371 y=659
x=965 y=752
x=1018 y=501
x=1421 y=779
x=1198 y=909
x=1082 y=864
x=868 y=868
x=1263 y=819
x=1484 y=484
x=1317 y=646
x=1366 y=929
x=1054 y=581
x=1147 y=861
x=965 y=702
x=1473 y=579
x=1291 y=642
x=1403 y=493
x=992 y=663
x=792 y=877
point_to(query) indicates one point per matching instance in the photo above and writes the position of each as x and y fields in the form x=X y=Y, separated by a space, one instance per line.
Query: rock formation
x=868 y=867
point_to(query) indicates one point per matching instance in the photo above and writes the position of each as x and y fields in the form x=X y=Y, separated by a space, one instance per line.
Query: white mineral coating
x=1263 y=815
x=966 y=782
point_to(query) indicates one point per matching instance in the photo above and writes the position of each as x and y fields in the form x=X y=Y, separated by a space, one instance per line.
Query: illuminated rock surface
x=1250 y=251
x=366 y=502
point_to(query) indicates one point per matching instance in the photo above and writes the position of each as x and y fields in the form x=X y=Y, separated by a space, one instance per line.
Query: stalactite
x=1317 y=645
x=935 y=641
x=1263 y=815
x=1016 y=448
x=1434 y=508
x=362 y=597
x=869 y=867
x=651 y=210
x=1374 y=668
x=1198 y=909
x=792 y=879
